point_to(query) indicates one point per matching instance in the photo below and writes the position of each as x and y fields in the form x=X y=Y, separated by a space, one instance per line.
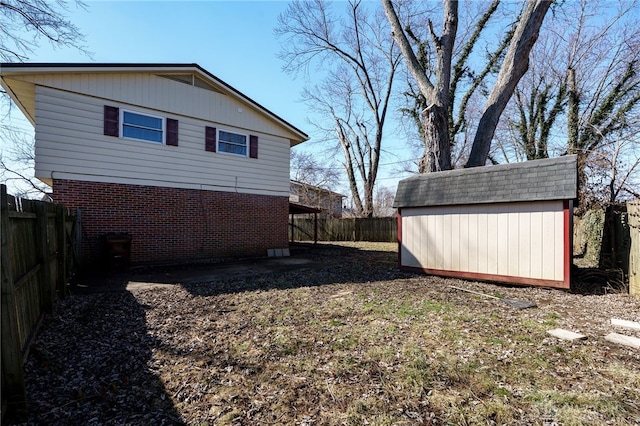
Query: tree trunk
x=437 y=154
x=516 y=63
x=435 y=121
x=368 y=201
x=572 y=117
x=355 y=198
x=573 y=136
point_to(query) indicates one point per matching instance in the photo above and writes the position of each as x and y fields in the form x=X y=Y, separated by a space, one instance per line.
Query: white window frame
x=163 y=121
x=247 y=142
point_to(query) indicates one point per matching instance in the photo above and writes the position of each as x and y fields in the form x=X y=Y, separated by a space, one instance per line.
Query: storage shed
x=508 y=223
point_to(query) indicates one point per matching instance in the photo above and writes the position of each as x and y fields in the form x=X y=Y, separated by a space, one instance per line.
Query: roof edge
x=122 y=66
x=535 y=180
x=495 y=168
x=316 y=187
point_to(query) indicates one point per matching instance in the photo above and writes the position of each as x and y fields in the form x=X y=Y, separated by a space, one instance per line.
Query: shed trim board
x=568 y=242
x=498 y=235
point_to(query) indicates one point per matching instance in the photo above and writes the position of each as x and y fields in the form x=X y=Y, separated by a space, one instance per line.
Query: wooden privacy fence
x=633 y=211
x=38 y=256
x=378 y=229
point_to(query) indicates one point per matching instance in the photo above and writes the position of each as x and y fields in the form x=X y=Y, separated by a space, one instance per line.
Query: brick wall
x=169 y=224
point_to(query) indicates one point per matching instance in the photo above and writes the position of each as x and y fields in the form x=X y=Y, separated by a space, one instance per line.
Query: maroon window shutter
x=111 y=121
x=210 y=139
x=253 y=146
x=172 y=132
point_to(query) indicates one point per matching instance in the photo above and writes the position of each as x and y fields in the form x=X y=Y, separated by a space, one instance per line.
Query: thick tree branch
x=417 y=71
x=515 y=64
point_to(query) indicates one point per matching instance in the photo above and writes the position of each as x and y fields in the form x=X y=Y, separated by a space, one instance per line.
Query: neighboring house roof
x=537 y=180
x=301 y=209
x=317 y=188
x=23 y=93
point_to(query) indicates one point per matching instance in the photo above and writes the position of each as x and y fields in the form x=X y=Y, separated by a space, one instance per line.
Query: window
x=232 y=143
x=142 y=127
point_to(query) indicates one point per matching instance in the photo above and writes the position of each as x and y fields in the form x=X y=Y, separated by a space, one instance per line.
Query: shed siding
x=69 y=137
x=510 y=240
x=162 y=94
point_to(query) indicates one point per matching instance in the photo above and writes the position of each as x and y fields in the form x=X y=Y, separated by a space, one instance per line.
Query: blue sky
x=233 y=40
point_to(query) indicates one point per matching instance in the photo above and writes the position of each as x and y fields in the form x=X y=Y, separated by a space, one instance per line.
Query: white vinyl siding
x=164 y=96
x=515 y=239
x=70 y=145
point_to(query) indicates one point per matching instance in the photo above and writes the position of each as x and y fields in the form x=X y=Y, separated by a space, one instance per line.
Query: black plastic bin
x=118 y=250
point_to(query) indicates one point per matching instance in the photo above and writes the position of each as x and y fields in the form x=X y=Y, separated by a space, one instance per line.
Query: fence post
x=315 y=228
x=10 y=353
x=61 y=232
x=354 y=231
x=633 y=210
x=291 y=227
x=78 y=265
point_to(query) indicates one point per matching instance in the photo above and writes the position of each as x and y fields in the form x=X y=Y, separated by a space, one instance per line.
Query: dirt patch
x=345 y=338
x=176 y=276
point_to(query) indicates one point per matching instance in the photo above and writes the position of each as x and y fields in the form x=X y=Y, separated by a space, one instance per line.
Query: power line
x=393 y=178
x=379 y=165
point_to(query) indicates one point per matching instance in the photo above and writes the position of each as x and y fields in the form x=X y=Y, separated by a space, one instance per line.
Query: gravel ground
x=344 y=339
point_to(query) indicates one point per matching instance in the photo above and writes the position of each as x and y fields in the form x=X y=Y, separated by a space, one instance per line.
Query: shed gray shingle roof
x=537 y=180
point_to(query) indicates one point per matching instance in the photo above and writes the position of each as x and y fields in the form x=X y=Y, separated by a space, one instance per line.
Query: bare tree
x=468 y=81
x=383 y=202
x=314 y=185
x=307 y=169
x=540 y=99
x=585 y=84
x=360 y=62
x=537 y=112
x=620 y=183
x=23 y=24
x=17 y=164
x=612 y=176
x=439 y=92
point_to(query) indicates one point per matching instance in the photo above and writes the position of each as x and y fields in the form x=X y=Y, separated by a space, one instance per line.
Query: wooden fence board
x=37 y=239
x=12 y=388
x=633 y=211
x=382 y=229
x=61 y=246
x=42 y=243
x=28 y=301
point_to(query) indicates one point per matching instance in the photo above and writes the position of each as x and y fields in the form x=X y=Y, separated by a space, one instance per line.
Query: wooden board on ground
x=566 y=334
x=621 y=339
x=520 y=304
x=626 y=324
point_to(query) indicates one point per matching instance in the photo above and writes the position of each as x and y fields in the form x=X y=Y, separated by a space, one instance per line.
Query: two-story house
x=328 y=202
x=187 y=165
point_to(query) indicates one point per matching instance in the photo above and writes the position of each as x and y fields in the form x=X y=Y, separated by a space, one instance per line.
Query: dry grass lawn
x=353 y=342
